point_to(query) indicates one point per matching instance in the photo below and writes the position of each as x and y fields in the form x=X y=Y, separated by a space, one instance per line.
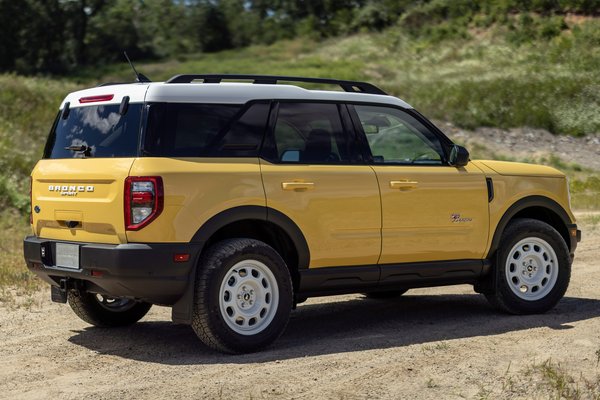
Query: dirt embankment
x=530 y=143
x=430 y=343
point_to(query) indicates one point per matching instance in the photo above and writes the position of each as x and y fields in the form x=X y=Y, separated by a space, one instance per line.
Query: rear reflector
x=181 y=257
x=95 y=99
x=97 y=273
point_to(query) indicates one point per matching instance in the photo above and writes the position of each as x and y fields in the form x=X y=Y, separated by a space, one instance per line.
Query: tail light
x=143 y=201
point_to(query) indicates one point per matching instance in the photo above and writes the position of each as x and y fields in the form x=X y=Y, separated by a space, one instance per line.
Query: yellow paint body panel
x=197 y=189
x=339 y=212
x=442 y=214
x=534 y=180
x=100 y=212
x=349 y=214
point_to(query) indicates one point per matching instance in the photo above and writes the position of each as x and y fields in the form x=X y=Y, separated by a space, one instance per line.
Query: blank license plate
x=67 y=255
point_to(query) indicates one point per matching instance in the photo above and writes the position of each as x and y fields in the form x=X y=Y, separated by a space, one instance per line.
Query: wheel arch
x=255 y=222
x=261 y=223
x=535 y=207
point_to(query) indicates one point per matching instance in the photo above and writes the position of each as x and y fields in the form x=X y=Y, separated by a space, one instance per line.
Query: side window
x=310 y=133
x=205 y=130
x=244 y=137
x=396 y=137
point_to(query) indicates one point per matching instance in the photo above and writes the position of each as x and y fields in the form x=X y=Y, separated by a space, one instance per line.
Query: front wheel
x=532 y=268
x=243 y=296
x=106 y=311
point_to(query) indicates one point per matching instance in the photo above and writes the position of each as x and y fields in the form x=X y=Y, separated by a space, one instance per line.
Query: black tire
x=215 y=273
x=500 y=294
x=103 y=311
x=385 y=295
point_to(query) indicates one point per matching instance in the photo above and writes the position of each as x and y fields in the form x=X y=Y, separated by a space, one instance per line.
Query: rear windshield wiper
x=86 y=150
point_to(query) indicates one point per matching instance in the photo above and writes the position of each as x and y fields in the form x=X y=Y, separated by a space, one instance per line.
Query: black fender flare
x=527 y=202
x=182 y=310
x=260 y=213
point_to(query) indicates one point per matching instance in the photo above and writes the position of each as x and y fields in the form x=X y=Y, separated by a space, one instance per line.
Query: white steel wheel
x=248 y=297
x=531 y=269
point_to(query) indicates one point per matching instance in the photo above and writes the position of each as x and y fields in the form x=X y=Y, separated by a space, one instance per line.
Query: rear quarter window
x=101 y=129
x=205 y=130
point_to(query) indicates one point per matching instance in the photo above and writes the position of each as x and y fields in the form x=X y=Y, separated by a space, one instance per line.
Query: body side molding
x=337 y=280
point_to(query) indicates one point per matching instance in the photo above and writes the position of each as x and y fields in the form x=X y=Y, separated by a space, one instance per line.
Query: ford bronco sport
x=232 y=202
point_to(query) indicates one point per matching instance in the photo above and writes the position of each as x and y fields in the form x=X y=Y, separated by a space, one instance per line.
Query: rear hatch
x=78 y=187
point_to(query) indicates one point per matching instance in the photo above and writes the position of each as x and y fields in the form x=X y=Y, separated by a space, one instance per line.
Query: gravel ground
x=430 y=343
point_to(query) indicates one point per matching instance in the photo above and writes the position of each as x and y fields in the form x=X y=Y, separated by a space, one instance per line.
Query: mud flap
x=58 y=295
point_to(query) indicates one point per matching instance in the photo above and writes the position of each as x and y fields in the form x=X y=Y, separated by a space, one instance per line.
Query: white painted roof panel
x=221 y=93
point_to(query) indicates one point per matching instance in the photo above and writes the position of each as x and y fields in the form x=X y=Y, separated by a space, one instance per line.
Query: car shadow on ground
x=337 y=327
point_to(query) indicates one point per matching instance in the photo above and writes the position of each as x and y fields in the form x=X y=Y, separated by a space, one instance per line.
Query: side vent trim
x=490 y=189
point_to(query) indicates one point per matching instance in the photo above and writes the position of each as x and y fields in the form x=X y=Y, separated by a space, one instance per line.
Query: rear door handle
x=297 y=185
x=405 y=184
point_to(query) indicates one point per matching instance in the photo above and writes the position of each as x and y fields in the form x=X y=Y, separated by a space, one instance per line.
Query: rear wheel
x=106 y=311
x=243 y=296
x=532 y=268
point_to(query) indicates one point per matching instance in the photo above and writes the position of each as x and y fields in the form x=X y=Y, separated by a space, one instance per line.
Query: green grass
x=15 y=280
x=545 y=380
x=27 y=109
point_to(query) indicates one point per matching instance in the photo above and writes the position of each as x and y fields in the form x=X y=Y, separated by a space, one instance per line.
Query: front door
x=431 y=211
x=311 y=174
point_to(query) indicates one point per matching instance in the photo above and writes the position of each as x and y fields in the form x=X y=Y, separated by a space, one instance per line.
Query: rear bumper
x=142 y=271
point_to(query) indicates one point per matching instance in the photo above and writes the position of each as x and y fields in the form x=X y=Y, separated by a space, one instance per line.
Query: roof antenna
x=138 y=77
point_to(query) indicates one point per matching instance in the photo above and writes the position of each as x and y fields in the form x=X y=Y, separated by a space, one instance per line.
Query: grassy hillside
x=527 y=71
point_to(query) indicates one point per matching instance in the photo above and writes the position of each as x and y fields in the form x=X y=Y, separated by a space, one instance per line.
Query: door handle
x=405 y=184
x=297 y=185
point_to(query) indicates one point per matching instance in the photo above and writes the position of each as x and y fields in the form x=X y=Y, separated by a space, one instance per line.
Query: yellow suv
x=232 y=202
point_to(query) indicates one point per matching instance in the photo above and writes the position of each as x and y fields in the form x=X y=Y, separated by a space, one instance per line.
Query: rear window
x=95 y=131
x=205 y=130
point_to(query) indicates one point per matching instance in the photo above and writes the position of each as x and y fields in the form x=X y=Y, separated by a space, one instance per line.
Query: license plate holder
x=67 y=255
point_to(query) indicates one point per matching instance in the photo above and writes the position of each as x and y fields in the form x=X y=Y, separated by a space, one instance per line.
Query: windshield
x=95 y=131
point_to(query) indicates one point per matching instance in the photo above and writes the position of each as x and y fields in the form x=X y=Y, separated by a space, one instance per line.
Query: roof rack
x=348 y=86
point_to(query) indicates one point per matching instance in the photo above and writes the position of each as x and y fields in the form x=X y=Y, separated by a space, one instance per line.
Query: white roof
x=220 y=93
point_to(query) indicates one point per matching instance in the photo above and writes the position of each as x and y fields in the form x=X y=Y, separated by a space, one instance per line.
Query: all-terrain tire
x=532 y=268
x=103 y=311
x=243 y=296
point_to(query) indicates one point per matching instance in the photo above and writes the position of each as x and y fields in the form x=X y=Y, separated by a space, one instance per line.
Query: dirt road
x=430 y=343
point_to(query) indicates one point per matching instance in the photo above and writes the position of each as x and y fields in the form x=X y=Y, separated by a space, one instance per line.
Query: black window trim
x=349 y=130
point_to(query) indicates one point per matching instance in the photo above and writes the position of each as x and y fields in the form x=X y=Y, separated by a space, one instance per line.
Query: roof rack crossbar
x=348 y=86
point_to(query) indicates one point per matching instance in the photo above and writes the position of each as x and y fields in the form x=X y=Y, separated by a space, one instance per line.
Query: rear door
x=431 y=211
x=77 y=188
x=312 y=174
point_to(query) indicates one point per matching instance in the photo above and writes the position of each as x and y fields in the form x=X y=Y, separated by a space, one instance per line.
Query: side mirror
x=459 y=156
